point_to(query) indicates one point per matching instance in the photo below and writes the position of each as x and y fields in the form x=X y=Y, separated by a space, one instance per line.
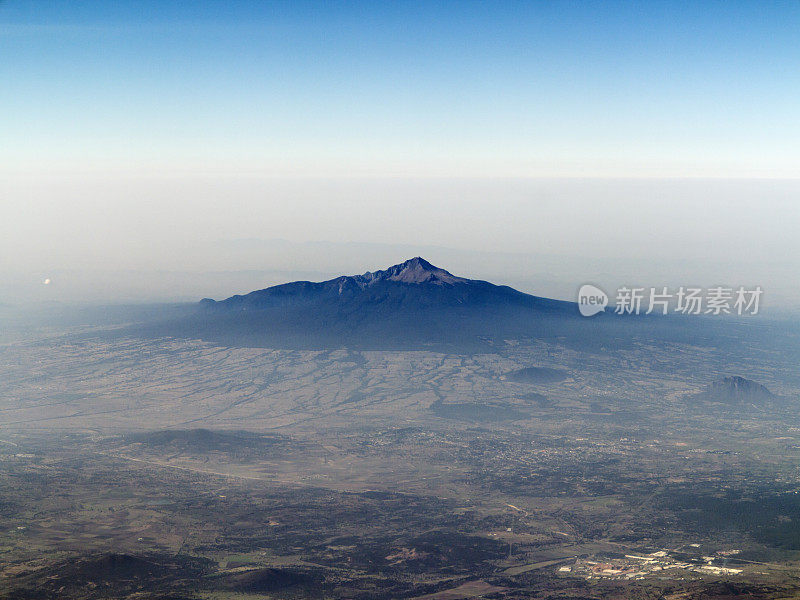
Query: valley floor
x=174 y=469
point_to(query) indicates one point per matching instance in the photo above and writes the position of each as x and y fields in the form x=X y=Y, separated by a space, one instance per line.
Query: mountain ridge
x=414 y=280
x=413 y=305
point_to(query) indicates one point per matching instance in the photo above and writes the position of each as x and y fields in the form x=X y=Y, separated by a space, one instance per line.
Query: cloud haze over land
x=185 y=238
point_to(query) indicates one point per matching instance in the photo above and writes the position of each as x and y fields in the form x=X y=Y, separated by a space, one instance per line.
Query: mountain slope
x=413 y=305
x=414 y=283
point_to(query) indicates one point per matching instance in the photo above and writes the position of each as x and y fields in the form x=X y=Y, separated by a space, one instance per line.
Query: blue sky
x=611 y=89
x=139 y=136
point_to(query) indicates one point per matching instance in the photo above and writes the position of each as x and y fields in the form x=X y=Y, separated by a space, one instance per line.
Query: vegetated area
x=167 y=468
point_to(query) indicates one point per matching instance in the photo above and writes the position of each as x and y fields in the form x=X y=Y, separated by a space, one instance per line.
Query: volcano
x=413 y=305
x=405 y=287
x=410 y=305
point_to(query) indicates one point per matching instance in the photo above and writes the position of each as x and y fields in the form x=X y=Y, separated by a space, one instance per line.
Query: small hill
x=110 y=575
x=537 y=375
x=736 y=393
x=201 y=439
x=739 y=389
x=258 y=581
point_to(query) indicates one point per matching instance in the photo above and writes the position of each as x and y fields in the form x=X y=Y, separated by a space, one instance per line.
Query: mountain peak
x=418 y=262
x=414 y=270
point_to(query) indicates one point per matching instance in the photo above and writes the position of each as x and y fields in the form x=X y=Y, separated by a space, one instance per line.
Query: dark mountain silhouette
x=413 y=284
x=413 y=305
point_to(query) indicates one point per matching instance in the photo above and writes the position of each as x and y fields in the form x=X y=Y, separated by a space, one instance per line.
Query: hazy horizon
x=539 y=145
x=181 y=239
